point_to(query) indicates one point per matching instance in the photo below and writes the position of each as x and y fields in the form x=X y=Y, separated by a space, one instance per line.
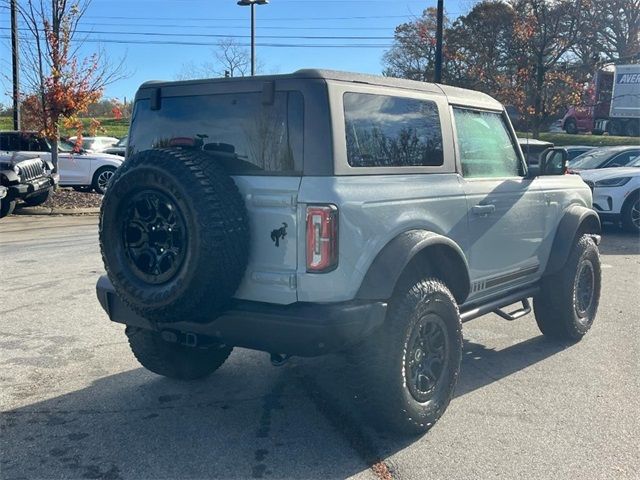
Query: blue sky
x=132 y=24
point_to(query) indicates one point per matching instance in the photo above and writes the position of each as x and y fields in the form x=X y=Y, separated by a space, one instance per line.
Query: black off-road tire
x=100 y=177
x=568 y=301
x=614 y=128
x=630 y=214
x=7 y=207
x=632 y=128
x=214 y=243
x=384 y=359
x=571 y=127
x=39 y=199
x=174 y=360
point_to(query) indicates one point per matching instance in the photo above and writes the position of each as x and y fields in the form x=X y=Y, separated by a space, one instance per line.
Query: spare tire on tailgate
x=174 y=235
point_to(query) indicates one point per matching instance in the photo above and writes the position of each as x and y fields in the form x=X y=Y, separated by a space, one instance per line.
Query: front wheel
x=568 y=301
x=39 y=199
x=631 y=214
x=7 y=207
x=411 y=364
x=174 y=360
x=101 y=179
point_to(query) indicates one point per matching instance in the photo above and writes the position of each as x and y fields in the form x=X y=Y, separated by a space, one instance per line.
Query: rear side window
x=385 y=131
x=9 y=141
x=486 y=148
x=237 y=130
x=32 y=143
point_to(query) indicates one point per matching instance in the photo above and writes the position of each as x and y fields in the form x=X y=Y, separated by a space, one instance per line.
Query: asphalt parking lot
x=75 y=404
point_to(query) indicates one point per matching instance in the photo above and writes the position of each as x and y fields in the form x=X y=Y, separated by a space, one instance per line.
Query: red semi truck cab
x=597 y=103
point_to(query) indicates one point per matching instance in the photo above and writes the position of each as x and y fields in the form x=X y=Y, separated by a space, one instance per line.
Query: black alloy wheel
x=427 y=357
x=154 y=236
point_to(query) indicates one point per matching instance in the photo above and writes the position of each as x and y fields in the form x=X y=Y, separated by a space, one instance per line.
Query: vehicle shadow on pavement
x=616 y=241
x=249 y=420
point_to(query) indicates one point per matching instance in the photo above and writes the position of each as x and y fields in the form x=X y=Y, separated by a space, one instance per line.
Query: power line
x=266 y=19
x=215 y=35
x=206 y=44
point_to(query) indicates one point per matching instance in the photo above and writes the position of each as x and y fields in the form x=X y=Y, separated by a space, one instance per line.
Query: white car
x=616 y=194
x=77 y=169
x=96 y=144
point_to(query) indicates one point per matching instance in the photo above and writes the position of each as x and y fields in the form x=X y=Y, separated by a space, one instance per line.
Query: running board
x=521 y=312
x=497 y=305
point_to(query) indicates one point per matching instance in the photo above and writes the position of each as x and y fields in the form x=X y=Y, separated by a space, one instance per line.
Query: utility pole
x=15 y=65
x=437 y=74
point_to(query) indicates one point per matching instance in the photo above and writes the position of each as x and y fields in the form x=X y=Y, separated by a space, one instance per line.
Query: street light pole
x=252 y=4
x=253 y=39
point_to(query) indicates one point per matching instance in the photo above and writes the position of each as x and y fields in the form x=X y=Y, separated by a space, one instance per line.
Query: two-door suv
x=322 y=212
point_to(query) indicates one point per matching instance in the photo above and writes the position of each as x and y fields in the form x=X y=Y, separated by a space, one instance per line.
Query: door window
x=624 y=159
x=486 y=148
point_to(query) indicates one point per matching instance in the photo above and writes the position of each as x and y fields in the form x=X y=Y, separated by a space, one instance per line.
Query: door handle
x=483 y=209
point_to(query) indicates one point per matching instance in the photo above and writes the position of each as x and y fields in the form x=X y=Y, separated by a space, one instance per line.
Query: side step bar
x=496 y=306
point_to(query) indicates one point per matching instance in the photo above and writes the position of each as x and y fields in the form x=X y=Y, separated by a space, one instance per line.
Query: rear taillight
x=322 y=238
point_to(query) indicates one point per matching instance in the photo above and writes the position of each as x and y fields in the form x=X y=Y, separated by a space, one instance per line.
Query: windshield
x=122 y=142
x=591 y=159
x=64 y=146
x=635 y=163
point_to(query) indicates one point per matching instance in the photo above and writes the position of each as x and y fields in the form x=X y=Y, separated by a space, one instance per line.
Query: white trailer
x=624 y=114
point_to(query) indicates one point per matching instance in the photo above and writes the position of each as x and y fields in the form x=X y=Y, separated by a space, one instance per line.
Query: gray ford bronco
x=325 y=212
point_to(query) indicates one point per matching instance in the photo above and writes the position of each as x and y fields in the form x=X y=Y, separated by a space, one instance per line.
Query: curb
x=56 y=211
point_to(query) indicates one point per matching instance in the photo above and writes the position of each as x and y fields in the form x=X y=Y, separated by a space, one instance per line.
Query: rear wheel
x=631 y=214
x=568 y=301
x=39 y=199
x=632 y=128
x=570 y=126
x=7 y=207
x=172 y=359
x=614 y=128
x=101 y=179
x=411 y=364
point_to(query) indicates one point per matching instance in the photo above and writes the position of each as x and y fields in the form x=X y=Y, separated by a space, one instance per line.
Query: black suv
x=25 y=177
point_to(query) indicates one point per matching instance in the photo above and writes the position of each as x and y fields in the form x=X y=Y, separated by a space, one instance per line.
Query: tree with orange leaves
x=63 y=84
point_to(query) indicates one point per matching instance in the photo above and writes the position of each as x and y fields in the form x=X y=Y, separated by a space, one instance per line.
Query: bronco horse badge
x=279 y=233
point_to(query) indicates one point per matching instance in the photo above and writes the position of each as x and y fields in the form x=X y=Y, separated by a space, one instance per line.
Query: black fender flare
x=10 y=176
x=445 y=258
x=576 y=219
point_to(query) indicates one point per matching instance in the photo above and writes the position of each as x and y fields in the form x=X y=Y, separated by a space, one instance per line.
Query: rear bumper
x=304 y=329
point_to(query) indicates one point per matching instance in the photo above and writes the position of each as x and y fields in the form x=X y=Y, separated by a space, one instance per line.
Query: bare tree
x=231 y=59
x=61 y=82
x=612 y=31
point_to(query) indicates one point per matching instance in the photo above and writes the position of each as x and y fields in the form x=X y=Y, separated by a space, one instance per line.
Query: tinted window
x=32 y=143
x=624 y=159
x=486 y=148
x=241 y=132
x=385 y=131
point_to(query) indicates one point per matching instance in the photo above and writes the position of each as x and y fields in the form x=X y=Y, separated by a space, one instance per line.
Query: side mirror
x=553 y=161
